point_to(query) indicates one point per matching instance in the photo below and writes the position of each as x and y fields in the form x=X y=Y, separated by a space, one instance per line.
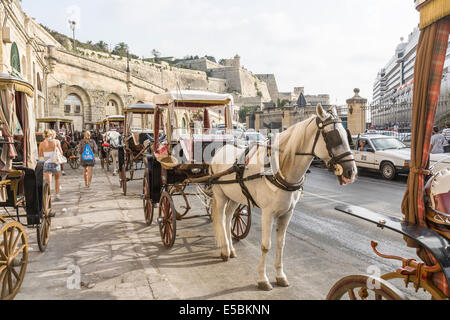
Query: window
x=72 y=104
x=39 y=85
x=15 y=58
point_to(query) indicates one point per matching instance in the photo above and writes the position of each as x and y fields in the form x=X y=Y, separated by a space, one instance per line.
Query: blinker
x=333 y=139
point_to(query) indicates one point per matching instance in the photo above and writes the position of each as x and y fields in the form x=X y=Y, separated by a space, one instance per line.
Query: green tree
x=121 y=49
x=102 y=46
x=156 y=54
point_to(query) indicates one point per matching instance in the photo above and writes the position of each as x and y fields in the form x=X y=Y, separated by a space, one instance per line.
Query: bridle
x=332 y=140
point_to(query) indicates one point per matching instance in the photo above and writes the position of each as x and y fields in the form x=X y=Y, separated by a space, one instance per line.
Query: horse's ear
x=334 y=112
x=321 y=112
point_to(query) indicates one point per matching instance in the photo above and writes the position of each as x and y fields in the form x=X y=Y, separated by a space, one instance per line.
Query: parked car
x=388 y=155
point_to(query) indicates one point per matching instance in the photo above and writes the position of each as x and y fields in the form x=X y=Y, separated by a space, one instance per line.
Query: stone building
x=87 y=86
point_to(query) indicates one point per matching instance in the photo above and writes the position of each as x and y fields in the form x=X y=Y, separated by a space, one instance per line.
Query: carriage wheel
x=148 y=204
x=123 y=180
x=43 y=230
x=241 y=222
x=167 y=220
x=364 y=288
x=74 y=163
x=13 y=259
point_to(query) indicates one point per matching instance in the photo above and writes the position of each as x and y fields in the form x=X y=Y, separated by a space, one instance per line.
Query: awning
x=193 y=99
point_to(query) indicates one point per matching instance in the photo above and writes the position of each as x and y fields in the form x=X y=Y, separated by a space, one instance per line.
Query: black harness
x=332 y=140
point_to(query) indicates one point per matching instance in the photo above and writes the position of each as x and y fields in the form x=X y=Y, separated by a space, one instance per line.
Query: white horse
x=114 y=139
x=322 y=136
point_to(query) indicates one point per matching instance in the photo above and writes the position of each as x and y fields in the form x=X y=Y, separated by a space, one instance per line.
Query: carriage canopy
x=193 y=99
x=18 y=125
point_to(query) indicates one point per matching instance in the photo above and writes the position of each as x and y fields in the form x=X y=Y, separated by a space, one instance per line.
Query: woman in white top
x=47 y=150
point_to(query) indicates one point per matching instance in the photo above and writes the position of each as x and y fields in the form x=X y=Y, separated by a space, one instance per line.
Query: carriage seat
x=440 y=191
x=438 y=206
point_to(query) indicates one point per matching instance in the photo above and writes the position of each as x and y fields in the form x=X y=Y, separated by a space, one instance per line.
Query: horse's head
x=332 y=146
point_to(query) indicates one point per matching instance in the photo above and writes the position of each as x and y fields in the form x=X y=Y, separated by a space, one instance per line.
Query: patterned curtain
x=429 y=66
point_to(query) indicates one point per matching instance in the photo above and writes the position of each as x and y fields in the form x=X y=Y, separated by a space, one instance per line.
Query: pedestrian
x=87 y=149
x=47 y=150
x=446 y=134
x=437 y=141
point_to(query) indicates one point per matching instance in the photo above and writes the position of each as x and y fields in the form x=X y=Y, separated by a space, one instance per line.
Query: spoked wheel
x=123 y=180
x=167 y=220
x=148 y=204
x=241 y=222
x=74 y=163
x=364 y=288
x=13 y=259
x=43 y=230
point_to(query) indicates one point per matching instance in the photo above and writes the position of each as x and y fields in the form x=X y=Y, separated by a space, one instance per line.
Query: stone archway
x=114 y=105
x=77 y=106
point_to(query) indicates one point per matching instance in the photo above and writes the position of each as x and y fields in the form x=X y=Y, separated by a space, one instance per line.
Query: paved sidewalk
x=93 y=231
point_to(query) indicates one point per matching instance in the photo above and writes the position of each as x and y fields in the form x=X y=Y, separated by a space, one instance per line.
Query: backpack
x=87 y=155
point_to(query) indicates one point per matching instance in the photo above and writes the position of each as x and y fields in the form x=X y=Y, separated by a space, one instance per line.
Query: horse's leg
x=115 y=157
x=218 y=207
x=267 y=224
x=232 y=206
x=282 y=224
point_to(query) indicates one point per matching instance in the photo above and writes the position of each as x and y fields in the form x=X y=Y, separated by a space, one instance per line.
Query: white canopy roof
x=192 y=98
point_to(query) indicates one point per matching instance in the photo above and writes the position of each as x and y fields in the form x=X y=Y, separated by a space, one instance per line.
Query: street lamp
x=73 y=25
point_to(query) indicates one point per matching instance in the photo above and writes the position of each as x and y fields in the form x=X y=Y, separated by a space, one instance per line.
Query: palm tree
x=102 y=46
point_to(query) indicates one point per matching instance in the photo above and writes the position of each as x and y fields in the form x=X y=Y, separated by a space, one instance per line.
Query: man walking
x=437 y=141
x=446 y=134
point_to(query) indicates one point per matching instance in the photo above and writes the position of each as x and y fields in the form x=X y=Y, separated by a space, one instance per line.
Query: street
x=100 y=235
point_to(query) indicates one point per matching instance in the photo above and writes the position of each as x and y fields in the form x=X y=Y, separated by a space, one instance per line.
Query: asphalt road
x=102 y=234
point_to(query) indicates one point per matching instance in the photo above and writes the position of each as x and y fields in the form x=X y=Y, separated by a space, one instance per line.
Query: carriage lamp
x=351 y=110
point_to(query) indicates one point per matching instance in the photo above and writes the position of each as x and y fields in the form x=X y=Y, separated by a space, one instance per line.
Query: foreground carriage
x=22 y=186
x=137 y=140
x=180 y=161
x=426 y=207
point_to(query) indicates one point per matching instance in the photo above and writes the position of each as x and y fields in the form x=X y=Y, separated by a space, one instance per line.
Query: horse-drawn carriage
x=182 y=159
x=137 y=139
x=110 y=123
x=22 y=184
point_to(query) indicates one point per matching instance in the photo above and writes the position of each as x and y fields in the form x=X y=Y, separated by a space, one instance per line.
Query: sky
x=326 y=46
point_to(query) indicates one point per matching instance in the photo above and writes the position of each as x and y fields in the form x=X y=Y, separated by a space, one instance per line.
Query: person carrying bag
x=87 y=150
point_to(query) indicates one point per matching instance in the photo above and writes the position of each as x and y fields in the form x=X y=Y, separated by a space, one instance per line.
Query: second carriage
x=137 y=139
x=179 y=166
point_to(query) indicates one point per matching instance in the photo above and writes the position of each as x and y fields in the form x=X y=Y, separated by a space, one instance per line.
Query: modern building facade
x=394 y=83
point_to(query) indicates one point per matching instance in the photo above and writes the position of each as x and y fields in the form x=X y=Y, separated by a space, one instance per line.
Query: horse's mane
x=291 y=140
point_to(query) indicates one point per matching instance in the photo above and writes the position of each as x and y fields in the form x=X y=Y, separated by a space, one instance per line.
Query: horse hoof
x=265 y=286
x=282 y=282
x=233 y=255
x=224 y=257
